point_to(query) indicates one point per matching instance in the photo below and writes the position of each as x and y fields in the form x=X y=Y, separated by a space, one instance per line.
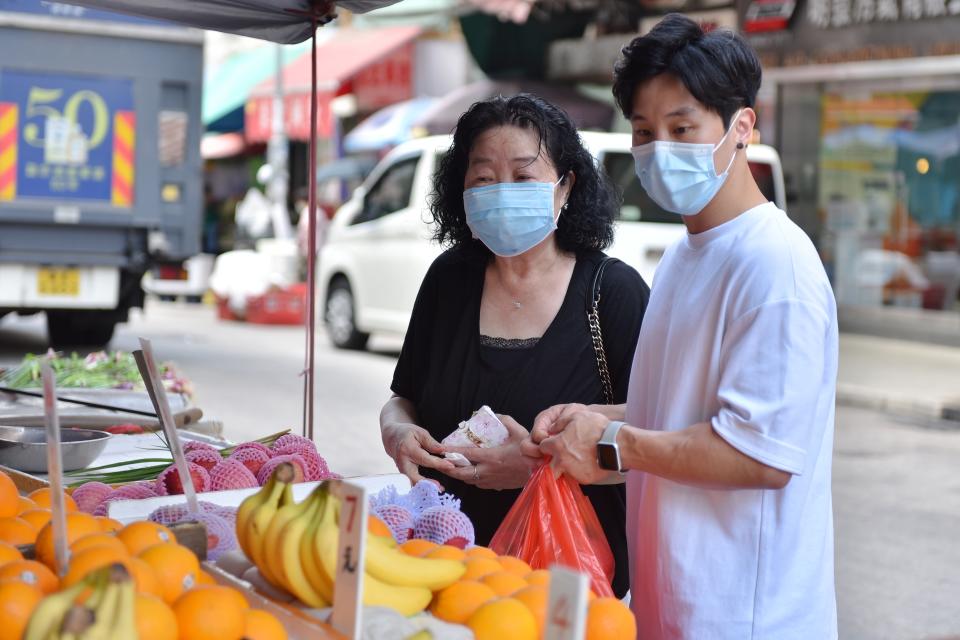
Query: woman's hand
x=411 y=447
x=503 y=467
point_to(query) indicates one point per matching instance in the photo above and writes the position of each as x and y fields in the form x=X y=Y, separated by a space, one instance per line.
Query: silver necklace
x=517 y=304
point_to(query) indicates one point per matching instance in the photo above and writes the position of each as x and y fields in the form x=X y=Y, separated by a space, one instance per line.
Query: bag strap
x=593 y=320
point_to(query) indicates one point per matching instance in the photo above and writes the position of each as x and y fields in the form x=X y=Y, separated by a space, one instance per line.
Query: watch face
x=607 y=457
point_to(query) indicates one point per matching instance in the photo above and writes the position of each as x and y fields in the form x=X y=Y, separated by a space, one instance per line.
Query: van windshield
x=638 y=207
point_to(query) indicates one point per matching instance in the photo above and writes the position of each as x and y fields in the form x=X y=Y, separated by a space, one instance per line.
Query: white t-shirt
x=740 y=332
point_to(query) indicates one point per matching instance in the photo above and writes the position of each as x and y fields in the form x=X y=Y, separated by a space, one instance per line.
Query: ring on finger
x=476 y=473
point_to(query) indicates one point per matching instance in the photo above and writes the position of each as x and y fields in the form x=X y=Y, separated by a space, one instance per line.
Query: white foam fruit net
x=422 y=496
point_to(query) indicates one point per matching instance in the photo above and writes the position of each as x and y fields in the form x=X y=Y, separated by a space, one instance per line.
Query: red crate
x=279 y=306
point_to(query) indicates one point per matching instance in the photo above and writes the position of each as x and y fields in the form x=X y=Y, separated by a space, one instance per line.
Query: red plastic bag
x=553 y=522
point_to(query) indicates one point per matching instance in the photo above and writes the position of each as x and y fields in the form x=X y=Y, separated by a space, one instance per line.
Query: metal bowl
x=25 y=448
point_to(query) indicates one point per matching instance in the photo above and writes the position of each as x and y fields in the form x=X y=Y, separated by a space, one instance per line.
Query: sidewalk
x=913 y=379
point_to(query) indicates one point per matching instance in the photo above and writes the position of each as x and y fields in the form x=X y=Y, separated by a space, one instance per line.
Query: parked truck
x=100 y=170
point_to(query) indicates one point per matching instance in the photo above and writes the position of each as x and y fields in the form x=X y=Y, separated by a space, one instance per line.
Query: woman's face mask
x=511 y=218
x=681 y=177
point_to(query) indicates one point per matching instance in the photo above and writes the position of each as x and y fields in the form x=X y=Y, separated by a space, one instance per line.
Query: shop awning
x=227 y=86
x=374 y=64
x=214 y=146
x=282 y=21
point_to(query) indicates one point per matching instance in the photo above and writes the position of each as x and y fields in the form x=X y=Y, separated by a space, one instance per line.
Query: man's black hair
x=718 y=67
x=587 y=223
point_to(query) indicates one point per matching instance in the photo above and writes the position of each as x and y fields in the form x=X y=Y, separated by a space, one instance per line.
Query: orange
x=109 y=525
x=25 y=504
x=515 y=566
x=36 y=517
x=155 y=619
x=16 y=531
x=91 y=559
x=261 y=625
x=32 y=573
x=504 y=582
x=97 y=540
x=204 y=578
x=78 y=525
x=417 y=547
x=540 y=577
x=481 y=552
x=137 y=536
x=446 y=552
x=176 y=568
x=9 y=553
x=378 y=527
x=9 y=497
x=479 y=567
x=17 y=602
x=504 y=618
x=144 y=577
x=459 y=601
x=535 y=599
x=610 y=618
x=44 y=499
x=210 y=613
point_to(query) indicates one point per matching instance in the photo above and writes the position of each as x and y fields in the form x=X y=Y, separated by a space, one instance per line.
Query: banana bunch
x=105 y=613
x=294 y=546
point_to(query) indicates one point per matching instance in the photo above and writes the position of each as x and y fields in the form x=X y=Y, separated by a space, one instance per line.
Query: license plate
x=58 y=282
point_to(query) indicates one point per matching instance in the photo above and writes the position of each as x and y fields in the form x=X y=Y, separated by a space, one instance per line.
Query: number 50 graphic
x=39 y=104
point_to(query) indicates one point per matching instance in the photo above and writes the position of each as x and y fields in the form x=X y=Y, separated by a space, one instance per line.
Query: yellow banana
x=407 y=601
x=285 y=556
x=125 y=624
x=48 y=616
x=270 y=541
x=105 y=612
x=310 y=558
x=392 y=566
x=268 y=493
x=260 y=520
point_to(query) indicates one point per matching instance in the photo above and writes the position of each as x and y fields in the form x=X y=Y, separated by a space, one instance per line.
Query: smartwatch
x=608 y=453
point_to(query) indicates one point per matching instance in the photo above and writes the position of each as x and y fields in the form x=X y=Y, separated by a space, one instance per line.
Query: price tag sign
x=348 y=583
x=566 y=605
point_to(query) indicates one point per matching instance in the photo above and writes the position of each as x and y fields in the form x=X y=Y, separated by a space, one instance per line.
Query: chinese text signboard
x=67 y=137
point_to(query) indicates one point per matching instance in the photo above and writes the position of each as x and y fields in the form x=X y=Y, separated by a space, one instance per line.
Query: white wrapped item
x=483 y=430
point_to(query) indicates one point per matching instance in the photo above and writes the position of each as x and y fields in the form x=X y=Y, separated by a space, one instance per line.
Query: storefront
x=862 y=99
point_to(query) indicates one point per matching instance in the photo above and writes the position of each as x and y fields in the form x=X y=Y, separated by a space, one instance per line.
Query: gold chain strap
x=593 y=317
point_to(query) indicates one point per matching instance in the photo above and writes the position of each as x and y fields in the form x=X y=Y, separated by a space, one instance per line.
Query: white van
x=378 y=245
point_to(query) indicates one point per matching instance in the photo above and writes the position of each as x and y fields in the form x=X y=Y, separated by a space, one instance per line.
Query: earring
x=740 y=145
x=564 y=207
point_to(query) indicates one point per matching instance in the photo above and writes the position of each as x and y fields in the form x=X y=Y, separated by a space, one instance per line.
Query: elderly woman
x=501 y=317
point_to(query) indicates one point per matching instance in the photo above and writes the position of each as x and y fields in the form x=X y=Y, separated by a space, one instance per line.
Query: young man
x=728 y=428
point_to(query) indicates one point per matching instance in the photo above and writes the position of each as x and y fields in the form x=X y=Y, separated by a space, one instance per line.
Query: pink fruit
x=196 y=445
x=257 y=446
x=103 y=508
x=253 y=459
x=398 y=519
x=445 y=525
x=168 y=482
x=204 y=457
x=292 y=439
x=136 y=491
x=220 y=535
x=316 y=468
x=231 y=474
x=173 y=513
x=90 y=494
x=299 y=468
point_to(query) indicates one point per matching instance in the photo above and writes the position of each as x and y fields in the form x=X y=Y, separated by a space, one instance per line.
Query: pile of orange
x=175 y=599
x=502 y=597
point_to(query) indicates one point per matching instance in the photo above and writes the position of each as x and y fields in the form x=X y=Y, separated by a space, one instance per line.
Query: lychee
x=168 y=482
x=231 y=474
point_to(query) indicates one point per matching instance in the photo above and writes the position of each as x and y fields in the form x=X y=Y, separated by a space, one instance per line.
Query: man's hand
x=503 y=467
x=573 y=443
x=547 y=422
x=411 y=447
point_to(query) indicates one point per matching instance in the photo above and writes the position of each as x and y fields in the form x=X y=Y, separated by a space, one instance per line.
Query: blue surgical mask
x=681 y=177
x=511 y=217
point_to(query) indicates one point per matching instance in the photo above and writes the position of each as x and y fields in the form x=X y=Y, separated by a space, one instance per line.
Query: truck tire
x=80 y=328
x=340 y=317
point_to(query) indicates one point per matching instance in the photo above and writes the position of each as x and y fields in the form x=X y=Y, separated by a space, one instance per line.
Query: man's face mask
x=681 y=177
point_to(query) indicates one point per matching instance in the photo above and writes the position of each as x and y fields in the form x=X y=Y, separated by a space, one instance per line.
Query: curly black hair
x=587 y=222
x=719 y=68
